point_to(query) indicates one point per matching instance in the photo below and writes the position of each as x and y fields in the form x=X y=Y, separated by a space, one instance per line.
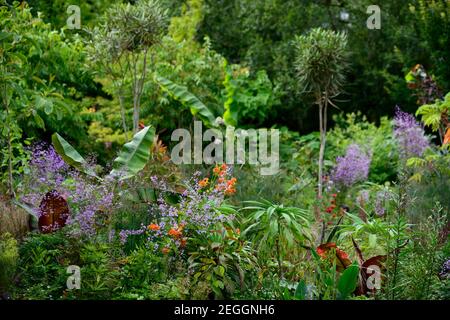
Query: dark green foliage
x=261 y=35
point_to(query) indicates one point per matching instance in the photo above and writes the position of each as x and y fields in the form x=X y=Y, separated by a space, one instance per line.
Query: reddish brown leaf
x=54 y=212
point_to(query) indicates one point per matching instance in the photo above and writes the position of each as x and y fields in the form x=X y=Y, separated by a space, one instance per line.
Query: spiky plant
x=321 y=62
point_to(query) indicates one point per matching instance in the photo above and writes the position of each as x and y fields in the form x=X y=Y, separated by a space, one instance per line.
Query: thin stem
x=9 y=141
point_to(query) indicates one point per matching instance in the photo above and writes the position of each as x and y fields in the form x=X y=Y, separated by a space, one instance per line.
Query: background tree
x=122 y=45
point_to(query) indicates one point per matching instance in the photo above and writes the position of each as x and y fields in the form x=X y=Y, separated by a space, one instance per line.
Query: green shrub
x=9 y=256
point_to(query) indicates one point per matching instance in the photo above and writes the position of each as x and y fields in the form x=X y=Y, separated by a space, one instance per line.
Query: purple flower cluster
x=91 y=201
x=380 y=200
x=409 y=135
x=47 y=172
x=124 y=234
x=351 y=168
x=88 y=199
x=196 y=209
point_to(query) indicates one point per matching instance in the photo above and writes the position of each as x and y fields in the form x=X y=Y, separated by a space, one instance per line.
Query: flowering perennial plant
x=90 y=201
x=409 y=134
x=351 y=168
x=197 y=211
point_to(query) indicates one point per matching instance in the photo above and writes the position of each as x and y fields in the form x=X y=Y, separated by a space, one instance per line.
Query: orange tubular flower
x=230 y=191
x=153 y=227
x=203 y=183
x=174 y=233
x=231 y=182
x=230 y=188
x=216 y=170
x=183 y=242
x=223 y=168
x=165 y=250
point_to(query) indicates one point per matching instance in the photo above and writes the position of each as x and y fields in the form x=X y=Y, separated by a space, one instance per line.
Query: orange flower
x=183 y=242
x=174 y=233
x=216 y=170
x=223 y=168
x=343 y=260
x=238 y=231
x=231 y=182
x=203 y=183
x=153 y=227
x=165 y=250
x=230 y=191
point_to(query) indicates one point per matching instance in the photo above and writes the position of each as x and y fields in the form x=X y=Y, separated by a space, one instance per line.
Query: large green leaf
x=348 y=281
x=70 y=155
x=189 y=100
x=134 y=155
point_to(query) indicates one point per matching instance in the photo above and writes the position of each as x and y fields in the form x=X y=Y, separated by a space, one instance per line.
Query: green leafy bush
x=9 y=256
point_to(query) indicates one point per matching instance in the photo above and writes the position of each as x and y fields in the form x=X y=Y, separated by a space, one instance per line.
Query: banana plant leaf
x=70 y=155
x=181 y=94
x=135 y=154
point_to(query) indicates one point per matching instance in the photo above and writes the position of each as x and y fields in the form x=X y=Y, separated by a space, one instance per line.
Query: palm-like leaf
x=267 y=222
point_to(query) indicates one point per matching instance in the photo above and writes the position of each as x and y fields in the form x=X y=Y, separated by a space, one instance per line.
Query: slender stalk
x=120 y=88
x=9 y=141
x=10 y=166
x=140 y=86
x=280 y=268
x=135 y=84
x=122 y=113
x=323 y=109
x=321 y=152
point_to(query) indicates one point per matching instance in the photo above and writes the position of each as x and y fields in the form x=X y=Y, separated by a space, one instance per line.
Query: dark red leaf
x=54 y=212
